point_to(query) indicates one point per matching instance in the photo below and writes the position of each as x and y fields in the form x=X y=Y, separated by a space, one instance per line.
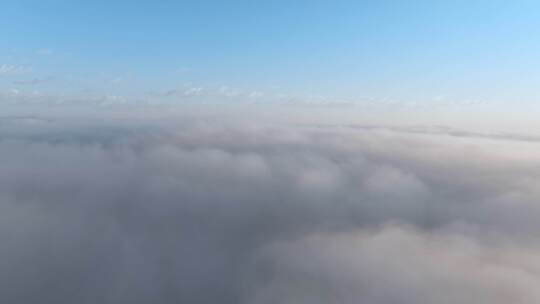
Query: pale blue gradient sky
x=412 y=53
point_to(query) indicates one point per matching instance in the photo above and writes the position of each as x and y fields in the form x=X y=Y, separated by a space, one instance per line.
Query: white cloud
x=256 y=94
x=193 y=91
x=229 y=92
x=6 y=69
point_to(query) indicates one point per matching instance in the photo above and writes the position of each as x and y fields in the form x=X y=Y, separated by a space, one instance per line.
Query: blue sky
x=404 y=51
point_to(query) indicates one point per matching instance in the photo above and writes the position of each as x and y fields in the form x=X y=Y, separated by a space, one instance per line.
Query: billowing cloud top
x=204 y=212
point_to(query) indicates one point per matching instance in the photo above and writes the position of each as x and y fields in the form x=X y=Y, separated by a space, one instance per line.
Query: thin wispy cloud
x=33 y=81
x=45 y=51
x=7 y=69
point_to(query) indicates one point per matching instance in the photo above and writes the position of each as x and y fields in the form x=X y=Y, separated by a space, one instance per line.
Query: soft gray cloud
x=116 y=211
x=394 y=265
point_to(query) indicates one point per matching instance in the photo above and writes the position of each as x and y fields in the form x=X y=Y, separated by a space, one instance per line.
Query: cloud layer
x=108 y=212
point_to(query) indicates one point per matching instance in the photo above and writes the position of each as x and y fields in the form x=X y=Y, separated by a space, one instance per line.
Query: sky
x=414 y=53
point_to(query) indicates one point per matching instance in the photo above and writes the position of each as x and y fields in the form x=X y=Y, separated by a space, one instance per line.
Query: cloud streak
x=7 y=69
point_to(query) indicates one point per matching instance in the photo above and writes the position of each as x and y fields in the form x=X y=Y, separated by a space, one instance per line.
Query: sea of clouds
x=208 y=212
